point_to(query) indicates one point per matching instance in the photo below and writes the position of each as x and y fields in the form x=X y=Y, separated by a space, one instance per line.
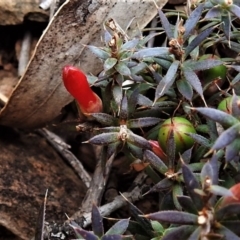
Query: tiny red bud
x=158 y=150
x=235 y=189
x=75 y=81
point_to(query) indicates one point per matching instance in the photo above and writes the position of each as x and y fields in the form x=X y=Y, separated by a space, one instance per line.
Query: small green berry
x=179 y=126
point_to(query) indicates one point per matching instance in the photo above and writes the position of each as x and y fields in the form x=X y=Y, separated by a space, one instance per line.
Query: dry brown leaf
x=29 y=166
x=40 y=95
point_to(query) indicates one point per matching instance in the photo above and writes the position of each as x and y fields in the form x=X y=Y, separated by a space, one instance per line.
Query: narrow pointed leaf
x=230 y=209
x=221 y=191
x=97 y=221
x=166 y=25
x=214 y=163
x=123 y=69
x=138 y=140
x=132 y=101
x=193 y=20
x=193 y=79
x=185 y=89
x=177 y=191
x=150 y=52
x=130 y=45
x=191 y=184
x=167 y=81
x=143 y=122
x=162 y=185
x=235 y=10
x=99 y=52
x=179 y=233
x=235 y=105
x=227 y=25
x=112 y=237
x=228 y=234
x=232 y=225
x=109 y=63
x=119 y=227
x=104 y=138
x=117 y=94
x=135 y=151
x=155 y=161
x=203 y=64
x=207 y=172
x=200 y=139
x=195 y=235
x=124 y=108
x=138 y=68
x=232 y=150
x=197 y=41
x=187 y=204
x=104 y=118
x=213 y=13
x=144 y=101
x=227 y=137
x=81 y=233
x=113 y=148
x=218 y=116
x=174 y=217
x=186 y=156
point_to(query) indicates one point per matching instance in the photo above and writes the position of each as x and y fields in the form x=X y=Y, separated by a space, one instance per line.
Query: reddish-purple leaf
x=213 y=13
x=97 y=221
x=174 y=217
x=235 y=10
x=232 y=150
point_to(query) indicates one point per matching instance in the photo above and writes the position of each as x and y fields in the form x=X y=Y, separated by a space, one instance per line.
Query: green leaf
x=218 y=116
x=100 y=53
x=167 y=81
x=123 y=69
x=227 y=137
x=109 y=63
x=187 y=204
x=232 y=150
x=179 y=233
x=177 y=191
x=174 y=217
x=155 y=161
x=193 y=20
x=138 y=68
x=196 y=233
x=185 y=89
x=119 y=227
x=97 y=221
x=150 y=52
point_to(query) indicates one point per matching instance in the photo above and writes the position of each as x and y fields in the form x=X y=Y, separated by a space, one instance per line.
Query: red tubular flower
x=75 y=81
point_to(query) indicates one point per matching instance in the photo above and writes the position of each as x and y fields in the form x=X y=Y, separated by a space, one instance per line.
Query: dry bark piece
x=40 y=95
x=29 y=166
x=15 y=11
